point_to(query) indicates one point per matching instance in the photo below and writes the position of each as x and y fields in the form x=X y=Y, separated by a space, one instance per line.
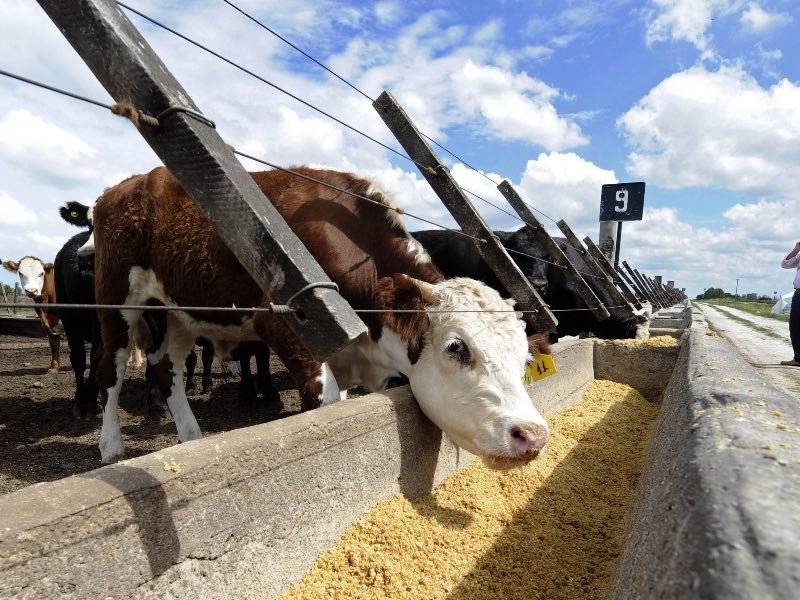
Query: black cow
x=456 y=256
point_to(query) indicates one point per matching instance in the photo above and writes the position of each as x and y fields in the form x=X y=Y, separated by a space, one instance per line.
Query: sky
x=700 y=99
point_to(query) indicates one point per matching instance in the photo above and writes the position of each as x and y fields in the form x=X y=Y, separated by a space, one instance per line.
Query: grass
x=761 y=309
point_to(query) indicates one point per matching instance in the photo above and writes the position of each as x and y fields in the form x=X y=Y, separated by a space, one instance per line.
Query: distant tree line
x=713 y=293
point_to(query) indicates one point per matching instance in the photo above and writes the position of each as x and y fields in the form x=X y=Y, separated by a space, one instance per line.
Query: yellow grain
x=552 y=529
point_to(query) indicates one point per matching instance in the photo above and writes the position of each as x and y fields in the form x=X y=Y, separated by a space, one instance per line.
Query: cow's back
x=149 y=221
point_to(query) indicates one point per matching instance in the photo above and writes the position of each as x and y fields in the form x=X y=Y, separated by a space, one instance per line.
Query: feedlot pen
x=245 y=513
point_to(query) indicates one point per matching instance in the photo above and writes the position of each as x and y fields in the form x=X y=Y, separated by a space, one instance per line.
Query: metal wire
x=254 y=309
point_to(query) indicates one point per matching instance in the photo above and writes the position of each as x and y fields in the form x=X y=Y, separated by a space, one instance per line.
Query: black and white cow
x=456 y=256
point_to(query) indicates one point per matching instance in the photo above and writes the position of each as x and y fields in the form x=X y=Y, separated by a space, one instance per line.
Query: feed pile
x=552 y=529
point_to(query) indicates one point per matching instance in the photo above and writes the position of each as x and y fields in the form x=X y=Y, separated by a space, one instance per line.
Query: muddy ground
x=41 y=441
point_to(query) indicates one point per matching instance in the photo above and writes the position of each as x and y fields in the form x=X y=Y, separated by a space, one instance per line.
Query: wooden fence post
x=16 y=295
x=192 y=150
x=605 y=280
x=5 y=296
x=556 y=254
x=606 y=265
x=470 y=221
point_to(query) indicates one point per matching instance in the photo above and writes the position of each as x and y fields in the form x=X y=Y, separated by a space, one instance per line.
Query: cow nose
x=529 y=438
x=30 y=291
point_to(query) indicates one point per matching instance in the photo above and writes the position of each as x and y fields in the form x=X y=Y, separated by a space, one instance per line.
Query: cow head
x=32 y=273
x=530 y=256
x=465 y=365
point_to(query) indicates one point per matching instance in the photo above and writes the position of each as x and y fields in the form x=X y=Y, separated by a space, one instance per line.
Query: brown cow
x=38 y=283
x=462 y=347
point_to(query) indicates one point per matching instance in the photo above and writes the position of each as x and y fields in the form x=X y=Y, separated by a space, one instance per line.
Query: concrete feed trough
x=246 y=512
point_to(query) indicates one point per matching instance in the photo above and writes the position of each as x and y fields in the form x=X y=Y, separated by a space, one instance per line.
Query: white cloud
x=766 y=220
x=566 y=186
x=717 y=128
x=14 y=213
x=757 y=20
x=32 y=143
x=516 y=106
x=388 y=12
x=686 y=20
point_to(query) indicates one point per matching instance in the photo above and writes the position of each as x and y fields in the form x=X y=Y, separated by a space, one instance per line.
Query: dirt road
x=763 y=350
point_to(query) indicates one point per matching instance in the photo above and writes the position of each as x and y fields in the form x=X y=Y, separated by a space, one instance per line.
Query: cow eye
x=459 y=351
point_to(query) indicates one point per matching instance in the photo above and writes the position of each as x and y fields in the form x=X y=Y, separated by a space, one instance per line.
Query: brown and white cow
x=465 y=365
x=38 y=283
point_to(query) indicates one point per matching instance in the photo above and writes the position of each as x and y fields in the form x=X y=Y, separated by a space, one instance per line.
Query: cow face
x=468 y=375
x=32 y=273
x=529 y=255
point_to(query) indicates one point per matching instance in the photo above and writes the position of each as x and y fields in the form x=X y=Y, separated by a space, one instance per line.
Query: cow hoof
x=271 y=396
x=111 y=451
x=83 y=413
x=191 y=389
x=157 y=410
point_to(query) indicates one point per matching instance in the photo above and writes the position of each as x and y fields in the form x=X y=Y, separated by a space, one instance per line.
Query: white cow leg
x=185 y=423
x=112 y=448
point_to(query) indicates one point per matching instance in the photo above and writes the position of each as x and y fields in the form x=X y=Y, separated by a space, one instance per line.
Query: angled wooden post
x=470 y=221
x=604 y=263
x=632 y=283
x=640 y=284
x=554 y=252
x=595 y=269
x=648 y=280
x=191 y=149
x=655 y=299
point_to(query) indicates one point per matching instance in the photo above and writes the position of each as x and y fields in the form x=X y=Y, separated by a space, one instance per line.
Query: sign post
x=621 y=202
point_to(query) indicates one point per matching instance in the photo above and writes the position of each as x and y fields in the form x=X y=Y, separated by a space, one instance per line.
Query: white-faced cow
x=464 y=363
x=456 y=256
x=38 y=283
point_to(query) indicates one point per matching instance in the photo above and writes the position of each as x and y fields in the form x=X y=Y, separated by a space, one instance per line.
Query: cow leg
x=157 y=390
x=247 y=387
x=55 y=346
x=191 y=363
x=77 y=358
x=314 y=380
x=265 y=385
x=110 y=373
x=208 y=363
x=178 y=344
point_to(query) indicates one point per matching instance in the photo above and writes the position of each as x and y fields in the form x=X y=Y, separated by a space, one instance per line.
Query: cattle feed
x=153 y=244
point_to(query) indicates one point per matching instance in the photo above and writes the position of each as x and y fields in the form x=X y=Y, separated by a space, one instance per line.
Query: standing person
x=792 y=261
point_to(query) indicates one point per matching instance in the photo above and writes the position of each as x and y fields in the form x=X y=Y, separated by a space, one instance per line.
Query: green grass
x=761 y=309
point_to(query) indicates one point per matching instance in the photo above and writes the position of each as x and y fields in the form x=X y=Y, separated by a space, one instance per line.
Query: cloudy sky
x=698 y=98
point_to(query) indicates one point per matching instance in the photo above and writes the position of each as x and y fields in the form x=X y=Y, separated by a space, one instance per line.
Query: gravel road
x=763 y=351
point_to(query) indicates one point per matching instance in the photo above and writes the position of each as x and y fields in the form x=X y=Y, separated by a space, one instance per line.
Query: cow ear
x=403 y=293
x=427 y=291
x=48 y=268
x=10 y=265
x=539 y=343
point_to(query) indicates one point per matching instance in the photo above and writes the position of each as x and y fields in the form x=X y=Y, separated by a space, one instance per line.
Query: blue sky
x=700 y=99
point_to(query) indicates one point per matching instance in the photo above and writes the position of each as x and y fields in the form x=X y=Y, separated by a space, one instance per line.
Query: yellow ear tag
x=73 y=214
x=541 y=367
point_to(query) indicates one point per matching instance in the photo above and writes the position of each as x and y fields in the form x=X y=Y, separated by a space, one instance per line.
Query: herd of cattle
x=437 y=316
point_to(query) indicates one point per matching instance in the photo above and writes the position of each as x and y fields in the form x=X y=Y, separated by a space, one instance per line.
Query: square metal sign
x=622 y=201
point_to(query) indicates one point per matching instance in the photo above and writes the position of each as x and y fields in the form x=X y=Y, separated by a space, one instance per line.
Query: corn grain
x=552 y=529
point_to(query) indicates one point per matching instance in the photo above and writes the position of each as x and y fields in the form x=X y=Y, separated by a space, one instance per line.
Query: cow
x=456 y=256
x=74 y=282
x=38 y=283
x=461 y=346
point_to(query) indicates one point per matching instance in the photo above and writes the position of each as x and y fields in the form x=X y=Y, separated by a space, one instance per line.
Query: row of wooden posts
x=253 y=229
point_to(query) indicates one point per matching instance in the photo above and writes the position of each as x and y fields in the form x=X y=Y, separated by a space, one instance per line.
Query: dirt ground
x=41 y=441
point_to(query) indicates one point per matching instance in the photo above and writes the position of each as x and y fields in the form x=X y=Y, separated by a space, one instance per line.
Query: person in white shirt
x=792 y=261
